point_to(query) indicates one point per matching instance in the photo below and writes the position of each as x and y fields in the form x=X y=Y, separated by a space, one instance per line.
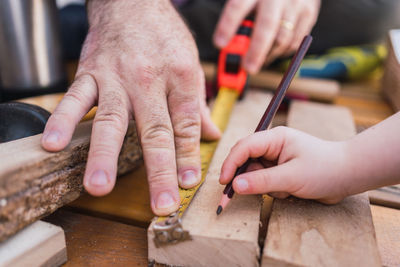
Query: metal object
x=30 y=48
x=20 y=120
x=170 y=231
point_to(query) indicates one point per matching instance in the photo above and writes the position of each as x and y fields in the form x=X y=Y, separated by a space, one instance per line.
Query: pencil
x=269 y=113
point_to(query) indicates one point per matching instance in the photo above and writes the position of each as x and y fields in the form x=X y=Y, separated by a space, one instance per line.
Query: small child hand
x=307 y=167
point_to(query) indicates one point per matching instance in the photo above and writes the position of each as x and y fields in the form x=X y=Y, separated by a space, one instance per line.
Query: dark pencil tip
x=219 y=210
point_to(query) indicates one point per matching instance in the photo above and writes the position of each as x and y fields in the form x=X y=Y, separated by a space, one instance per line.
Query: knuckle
x=103 y=150
x=145 y=73
x=156 y=135
x=76 y=96
x=236 y=4
x=268 y=20
x=185 y=68
x=160 y=178
x=113 y=116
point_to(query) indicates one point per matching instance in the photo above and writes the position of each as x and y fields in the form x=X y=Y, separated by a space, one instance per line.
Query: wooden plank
x=388 y=196
x=34 y=182
x=231 y=238
x=40 y=244
x=97 y=242
x=308 y=233
x=387 y=228
x=317 y=89
x=129 y=202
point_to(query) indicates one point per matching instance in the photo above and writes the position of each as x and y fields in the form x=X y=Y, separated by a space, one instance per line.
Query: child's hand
x=307 y=167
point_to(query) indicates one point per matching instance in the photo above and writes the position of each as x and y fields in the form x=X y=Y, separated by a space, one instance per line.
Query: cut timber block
x=96 y=242
x=40 y=244
x=387 y=227
x=317 y=89
x=34 y=182
x=229 y=239
x=308 y=233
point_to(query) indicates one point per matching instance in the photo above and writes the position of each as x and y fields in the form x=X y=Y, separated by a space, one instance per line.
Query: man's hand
x=280 y=26
x=138 y=59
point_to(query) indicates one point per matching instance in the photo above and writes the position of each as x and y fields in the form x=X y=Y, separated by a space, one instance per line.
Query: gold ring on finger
x=287 y=25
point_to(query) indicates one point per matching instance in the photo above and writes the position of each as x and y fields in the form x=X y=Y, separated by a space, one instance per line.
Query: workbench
x=112 y=229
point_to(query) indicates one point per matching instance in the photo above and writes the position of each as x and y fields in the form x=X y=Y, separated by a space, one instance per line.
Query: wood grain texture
x=318 y=89
x=229 y=239
x=34 y=182
x=387 y=228
x=307 y=233
x=40 y=244
x=129 y=202
x=388 y=196
x=97 y=242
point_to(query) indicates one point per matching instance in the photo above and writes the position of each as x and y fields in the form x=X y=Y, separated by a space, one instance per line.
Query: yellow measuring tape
x=168 y=229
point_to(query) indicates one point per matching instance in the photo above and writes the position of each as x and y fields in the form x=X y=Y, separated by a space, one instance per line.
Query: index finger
x=232 y=15
x=265 y=30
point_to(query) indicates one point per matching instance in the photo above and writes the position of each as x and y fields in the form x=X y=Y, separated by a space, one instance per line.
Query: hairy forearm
x=374 y=159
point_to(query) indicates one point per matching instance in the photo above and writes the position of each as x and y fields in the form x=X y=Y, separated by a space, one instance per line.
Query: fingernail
x=242 y=184
x=98 y=178
x=52 y=137
x=220 y=41
x=189 y=179
x=165 y=200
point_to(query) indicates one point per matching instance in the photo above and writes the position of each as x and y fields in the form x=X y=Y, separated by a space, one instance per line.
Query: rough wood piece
x=387 y=227
x=318 y=89
x=231 y=238
x=34 y=183
x=307 y=233
x=388 y=196
x=97 y=242
x=40 y=244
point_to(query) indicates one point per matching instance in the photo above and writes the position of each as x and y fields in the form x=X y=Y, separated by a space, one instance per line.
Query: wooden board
x=97 y=242
x=317 y=89
x=231 y=238
x=387 y=228
x=40 y=244
x=129 y=202
x=307 y=233
x=388 y=196
x=34 y=182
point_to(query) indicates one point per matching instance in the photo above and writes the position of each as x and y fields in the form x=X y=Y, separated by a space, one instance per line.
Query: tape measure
x=231 y=81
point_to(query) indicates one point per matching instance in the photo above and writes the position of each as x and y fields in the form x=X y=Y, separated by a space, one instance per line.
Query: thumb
x=281 y=178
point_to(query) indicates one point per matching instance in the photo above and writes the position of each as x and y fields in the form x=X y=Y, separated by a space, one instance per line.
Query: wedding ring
x=287 y=25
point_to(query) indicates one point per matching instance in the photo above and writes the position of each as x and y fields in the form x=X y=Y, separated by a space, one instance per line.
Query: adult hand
x=280 y=26
x=138 y=59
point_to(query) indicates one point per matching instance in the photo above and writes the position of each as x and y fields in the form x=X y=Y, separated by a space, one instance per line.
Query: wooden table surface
x=112 y=229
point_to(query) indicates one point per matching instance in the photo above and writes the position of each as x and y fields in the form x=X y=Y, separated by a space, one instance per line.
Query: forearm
x=374 y=159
